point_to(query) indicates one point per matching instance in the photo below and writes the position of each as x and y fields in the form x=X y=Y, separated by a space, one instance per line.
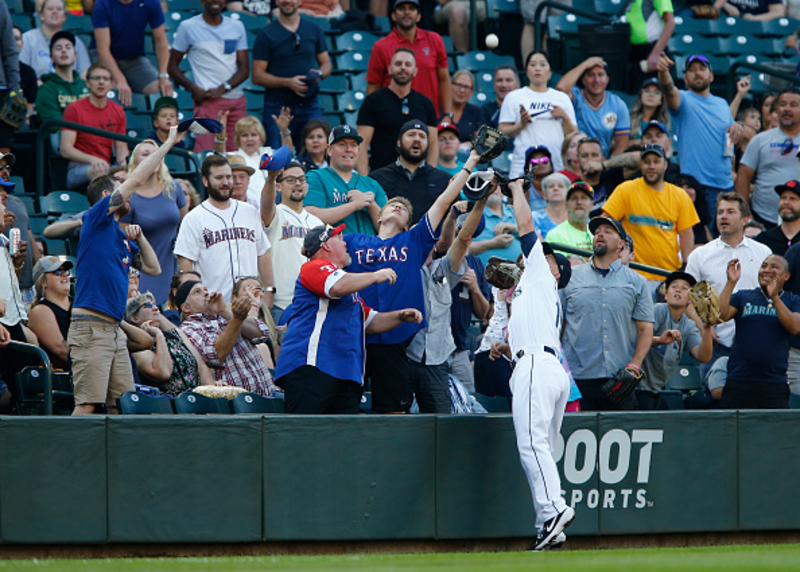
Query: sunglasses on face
x=148 y=305
x=4 y=167
x=540 y=161
x=135 y=273
x=61 y=272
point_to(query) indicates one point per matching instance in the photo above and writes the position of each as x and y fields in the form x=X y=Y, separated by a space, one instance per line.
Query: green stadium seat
x=479 y=61
x=448 y=45
x=30 y=396
x=744 y=45
x=136 y=403
x=61 y=202
x=495 y=8
x=56 y=246
x=139 y=103
x=359 y=41
x=255 y=101
x=689 y=44
x=29 y=202
x=192 y=6
x=383 y=25
x=794 y=401
x=358 y=82
x=493 y=404
x=685 y=378
x=19 y=184
x=185 y=102
x=334 y=83
x=195 y=403
x=779 y=28
x=484 y=82
x=730 y=26
x=38 y=222
x=718 y=63
x=138 y=124
x=565 y=24
x=697 y=26
x=16 y=6
x=351 y=101
x=607 y=7
x=480 y=98
x=350 y=118
x=78 y=24
x=327 y=102
x=673 y=400
x=334 y=118
x=352 y=61
x=24 y=21
x=252 y=403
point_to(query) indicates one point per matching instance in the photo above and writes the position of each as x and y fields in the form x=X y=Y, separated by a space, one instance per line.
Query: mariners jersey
x=405 y=253
x=324 y=332
x=536 y=306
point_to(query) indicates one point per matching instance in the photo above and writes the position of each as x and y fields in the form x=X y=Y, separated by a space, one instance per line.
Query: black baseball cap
x=793 y=186
x=317 y=236
x=400 y=2
x=616 y=225
x=412 y=124
x=564 y=265
x=344 y=132
x=581 y=187
x=162 y=102
x=61 y=35
x=678 y=275
x=653 y=148
x=649 y=81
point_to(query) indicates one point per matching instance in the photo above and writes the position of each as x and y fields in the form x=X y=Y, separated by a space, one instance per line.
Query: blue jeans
x=302 y=115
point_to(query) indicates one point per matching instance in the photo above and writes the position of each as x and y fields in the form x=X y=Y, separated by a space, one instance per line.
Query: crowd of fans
x=358 y=264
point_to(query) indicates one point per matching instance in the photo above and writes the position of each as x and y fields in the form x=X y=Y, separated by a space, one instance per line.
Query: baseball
x=492 y=41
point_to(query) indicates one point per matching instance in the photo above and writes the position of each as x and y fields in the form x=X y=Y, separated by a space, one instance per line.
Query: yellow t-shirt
x=653 y=219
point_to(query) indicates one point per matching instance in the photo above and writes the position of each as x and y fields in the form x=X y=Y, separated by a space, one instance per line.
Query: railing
x=587 y=254
x=43 y=138
x=731 y=87
x=47 y=370
x=537 y=18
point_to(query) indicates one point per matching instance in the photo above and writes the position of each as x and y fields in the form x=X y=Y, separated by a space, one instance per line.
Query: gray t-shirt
x=718 y=374
x=36 y=53
x=774 y=161
x=662 y=360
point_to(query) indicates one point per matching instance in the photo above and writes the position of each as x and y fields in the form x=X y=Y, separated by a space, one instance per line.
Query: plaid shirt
x=243 y=367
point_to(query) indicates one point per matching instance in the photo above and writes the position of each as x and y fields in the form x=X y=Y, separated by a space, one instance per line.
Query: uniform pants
x=540 y=389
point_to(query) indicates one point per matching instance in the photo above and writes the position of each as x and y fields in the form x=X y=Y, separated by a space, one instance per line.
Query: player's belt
x=532 y=349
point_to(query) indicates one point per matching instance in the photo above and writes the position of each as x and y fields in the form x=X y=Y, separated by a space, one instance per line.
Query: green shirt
x=55 y=94
x=326 y=189
x=646 y=20
x=568 y=235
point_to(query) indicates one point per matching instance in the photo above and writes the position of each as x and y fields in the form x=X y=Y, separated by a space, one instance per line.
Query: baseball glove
x=705 y=300
x=705 y=12
x=502 y=273
x=622 y=384
x=489 y=142
x=14 y=110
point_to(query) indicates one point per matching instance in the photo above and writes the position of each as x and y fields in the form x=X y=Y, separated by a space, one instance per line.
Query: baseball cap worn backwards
x=412 y=124
x=317 y=236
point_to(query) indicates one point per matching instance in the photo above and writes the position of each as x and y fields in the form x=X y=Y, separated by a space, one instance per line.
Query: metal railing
x=537 y=18
x=761 y=68
x=43 y=138
x=587 y=254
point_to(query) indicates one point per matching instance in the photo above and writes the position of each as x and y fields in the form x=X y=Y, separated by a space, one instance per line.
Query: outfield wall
x=124 y=479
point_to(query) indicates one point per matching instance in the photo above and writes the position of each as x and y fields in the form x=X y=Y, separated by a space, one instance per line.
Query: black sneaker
x=552 y=529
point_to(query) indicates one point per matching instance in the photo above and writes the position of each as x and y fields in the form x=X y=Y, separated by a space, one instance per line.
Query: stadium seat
x=685 y=378
x=192 y=6
x=19 y=184
x=38 y=222
x=60 y=202
x=16 y=6
x=195 y=403
x=480 y=98
x=779 y=28
x=495 y=8
x=358 y=81
x=359 y=41
x=383 y=25
x=673 y=399
x=352 y=61
x=494 y=404
x=334 y=118
x=136 y=403
x=253 y=403
x=351 y=101
x=55 y=246
x=565 y=24
x=478 y=61
x=327 y=102
x=255 y=101
x=448 y=45
x=28 y=201
x=350 y=118
x=250 y=22
x=29 y=392
x=695 y=26
x=334 y=84
x=794 y=401
x=688 y=44
x=138 y=124
x=607 y=7
x=78 y=24
x=24 y=21
x=484 y=82
x=139 y=103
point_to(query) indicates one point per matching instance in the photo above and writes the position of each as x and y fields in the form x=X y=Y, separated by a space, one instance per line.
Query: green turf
x=723 y=558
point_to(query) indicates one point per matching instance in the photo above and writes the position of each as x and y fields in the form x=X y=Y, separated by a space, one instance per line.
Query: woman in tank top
x=50 y=312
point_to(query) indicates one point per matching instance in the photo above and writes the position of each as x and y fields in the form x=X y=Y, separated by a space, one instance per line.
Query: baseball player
x=539 y=385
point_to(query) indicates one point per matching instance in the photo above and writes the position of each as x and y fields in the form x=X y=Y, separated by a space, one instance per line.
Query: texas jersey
x=405 y=253
x=536 y=306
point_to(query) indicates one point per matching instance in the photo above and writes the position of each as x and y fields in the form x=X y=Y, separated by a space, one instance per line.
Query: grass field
x=727 y=558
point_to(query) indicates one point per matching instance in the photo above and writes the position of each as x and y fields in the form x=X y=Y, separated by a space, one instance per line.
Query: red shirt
x=110 y=118
x=430 y=54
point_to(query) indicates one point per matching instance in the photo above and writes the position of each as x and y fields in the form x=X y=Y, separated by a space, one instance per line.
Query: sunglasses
x=148 y=305
x=540 y=161
x=787 y=146
x=133 y=272
x=405 y=109
x=61 y=272
x=4 y=167
x=296 y=41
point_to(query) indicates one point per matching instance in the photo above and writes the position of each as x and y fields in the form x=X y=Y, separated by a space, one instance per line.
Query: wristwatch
x=270 y=289
x=163 y=76
x=227 y=86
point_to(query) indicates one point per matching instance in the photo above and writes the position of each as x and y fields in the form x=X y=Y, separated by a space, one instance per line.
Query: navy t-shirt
x=461 y=309
x=127 y=24
x=288 y=54
x=104 y=258
x=760 y=349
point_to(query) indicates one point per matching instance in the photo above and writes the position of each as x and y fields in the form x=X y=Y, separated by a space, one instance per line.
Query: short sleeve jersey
x=326 y=189
x=662 y=360
x=646 y=19
x=109 y=118
x=127 y=23
x=609 y=119
x=104 y=258
x=405 y=253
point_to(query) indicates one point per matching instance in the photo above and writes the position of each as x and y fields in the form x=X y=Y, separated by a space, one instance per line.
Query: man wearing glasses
x=290 y=57
x=770 y=161
x=91 y=155
x=702 y=122
x=385 y=111
x=287 y=225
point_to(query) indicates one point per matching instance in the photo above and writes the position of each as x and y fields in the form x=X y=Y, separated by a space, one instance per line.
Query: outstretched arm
x=464 y=237
x=439 y=209
x=522 y=210
x=385 y=321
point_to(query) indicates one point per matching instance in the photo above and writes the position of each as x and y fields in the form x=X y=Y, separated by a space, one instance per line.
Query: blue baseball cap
x=657 y=124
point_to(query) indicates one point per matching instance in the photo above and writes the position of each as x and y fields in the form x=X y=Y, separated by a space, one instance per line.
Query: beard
x=412 y=156
x=600 y=249
x=653 y=179
x=789 y=215
x=221 y=193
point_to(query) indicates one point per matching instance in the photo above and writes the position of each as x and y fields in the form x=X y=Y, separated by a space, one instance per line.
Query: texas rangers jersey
x=223 y=244
x=405 y=253
x=324 y=332
x=536 y=306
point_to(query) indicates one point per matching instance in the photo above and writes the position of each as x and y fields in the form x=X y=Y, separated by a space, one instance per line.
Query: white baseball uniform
x=539 y=384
